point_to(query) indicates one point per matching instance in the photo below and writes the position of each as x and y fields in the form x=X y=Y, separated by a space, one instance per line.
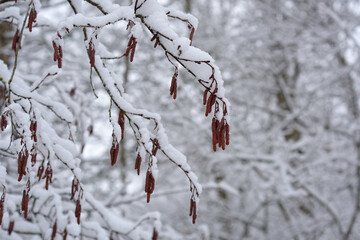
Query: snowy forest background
x=291 y=74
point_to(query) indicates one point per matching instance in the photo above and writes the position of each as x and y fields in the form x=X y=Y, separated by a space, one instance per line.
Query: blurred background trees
x=291 y=72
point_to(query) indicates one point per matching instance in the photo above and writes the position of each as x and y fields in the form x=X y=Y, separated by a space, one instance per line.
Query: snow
x=121 y=13
x=4 y=72
x=2 y=174
x=10 y=12
x=184 y=16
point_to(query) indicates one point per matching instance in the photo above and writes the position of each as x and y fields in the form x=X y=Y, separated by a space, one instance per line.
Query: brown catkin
x=138 y=163
x=11 y=227
x=3 y=123
x=1 y=212
x=56 y=51
x=133 y=50
x=155 y=234
x=191 y=35
x=214 y=135
x=121 y=122
x=54 y=229
x=191 y=207
x=23 y=201
x=205 y=96
x=78 y=211
x=227 y=131
x=15 y=40
x=65 y=234
x=26 y=206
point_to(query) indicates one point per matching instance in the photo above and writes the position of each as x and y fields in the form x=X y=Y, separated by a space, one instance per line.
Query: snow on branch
x=43 y=152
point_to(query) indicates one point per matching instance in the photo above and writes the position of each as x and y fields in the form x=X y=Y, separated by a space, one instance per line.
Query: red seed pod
x=3 y=122
x=155 y=234
x=78 y=210
x=138 y=163
x=11 y=227
x=15 y=40
x=121 y=122
x=53 y=234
